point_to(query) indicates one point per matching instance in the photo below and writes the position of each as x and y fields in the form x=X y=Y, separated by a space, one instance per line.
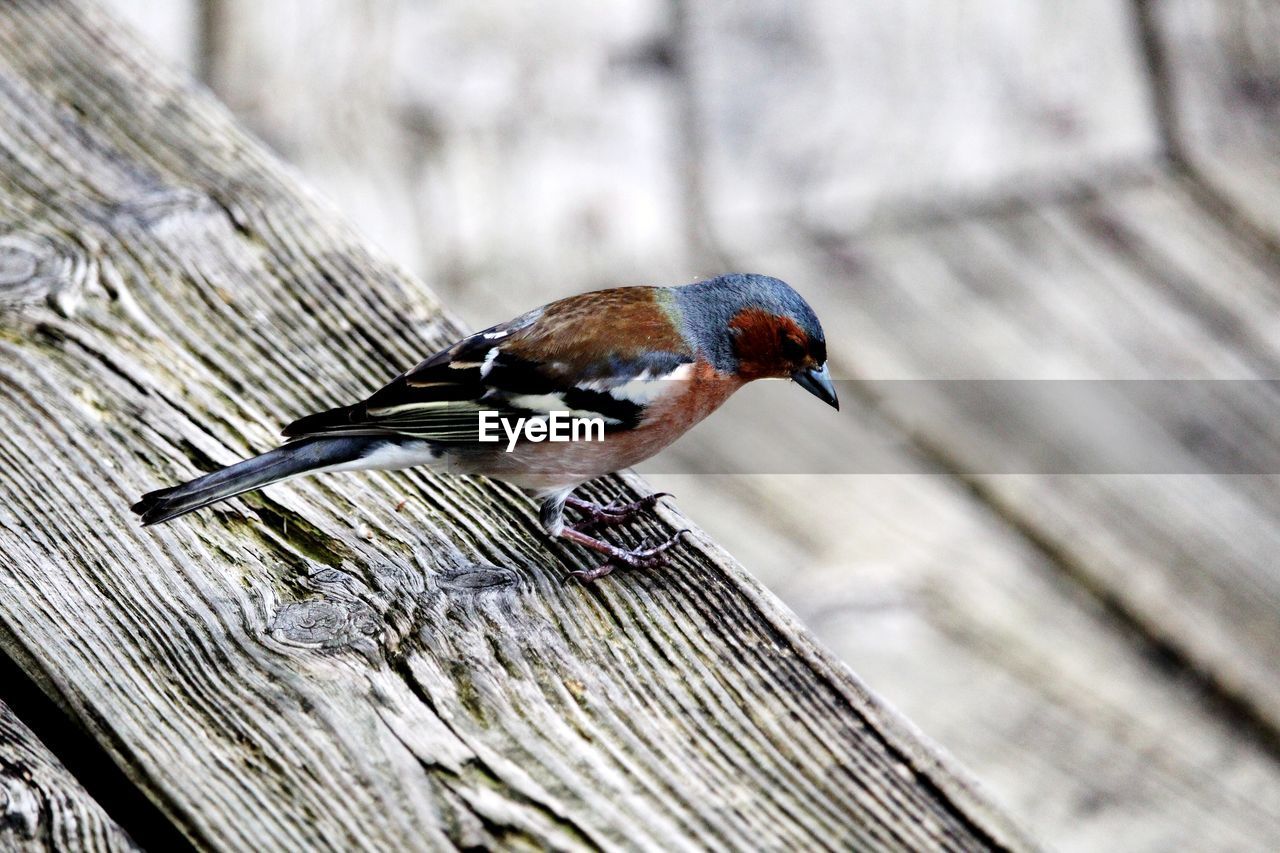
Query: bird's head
x=758 y=327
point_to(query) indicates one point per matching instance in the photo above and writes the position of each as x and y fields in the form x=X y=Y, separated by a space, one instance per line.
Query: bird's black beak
x=817 y=381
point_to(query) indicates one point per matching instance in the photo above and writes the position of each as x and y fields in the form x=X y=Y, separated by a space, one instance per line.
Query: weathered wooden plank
x=1091 y=290
x=328 y=665
x=967 y=646
x=615 y=130
x=823 y=112
x=477 y=146
x=1071 y=720
x=42 y=806
x=1112 y=714
x=1217 y=67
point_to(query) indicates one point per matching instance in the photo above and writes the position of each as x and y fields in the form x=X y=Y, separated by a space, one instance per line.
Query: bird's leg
x=551 y=514
x=636 y=558
x=612 y=513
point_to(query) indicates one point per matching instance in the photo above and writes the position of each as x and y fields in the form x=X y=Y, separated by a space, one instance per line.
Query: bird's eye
x=792 y=350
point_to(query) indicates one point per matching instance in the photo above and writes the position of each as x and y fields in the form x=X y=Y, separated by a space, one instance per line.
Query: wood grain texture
x=827 y=113
x=1139 y=284
x=322 y=666
x=1071 y=718
x=489 y=148
x=480 y=145
x=42 y=806
x=908 y=577
x=1219 y=65
x=1217 y=75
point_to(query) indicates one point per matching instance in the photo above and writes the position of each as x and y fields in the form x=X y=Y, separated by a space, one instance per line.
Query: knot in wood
x=35 y=269
x=159 y=207
x=19 y=805
x=326 y=624
x=477 y=578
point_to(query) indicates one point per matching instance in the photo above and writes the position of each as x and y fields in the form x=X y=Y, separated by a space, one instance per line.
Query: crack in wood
x=25 y=704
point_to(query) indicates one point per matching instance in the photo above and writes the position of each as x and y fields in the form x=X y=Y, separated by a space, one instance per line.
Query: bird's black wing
x=441 y=399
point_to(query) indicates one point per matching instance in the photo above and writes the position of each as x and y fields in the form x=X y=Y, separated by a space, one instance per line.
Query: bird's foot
x=644 y=557
x=611 y=514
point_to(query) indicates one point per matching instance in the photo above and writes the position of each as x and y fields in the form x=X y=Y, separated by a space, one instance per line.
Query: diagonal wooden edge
x=386 y=661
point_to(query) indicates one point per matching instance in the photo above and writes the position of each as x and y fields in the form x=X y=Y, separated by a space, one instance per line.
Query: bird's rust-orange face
x=770 y=346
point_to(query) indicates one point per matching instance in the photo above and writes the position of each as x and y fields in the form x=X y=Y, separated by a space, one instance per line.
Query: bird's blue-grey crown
x=708 y=307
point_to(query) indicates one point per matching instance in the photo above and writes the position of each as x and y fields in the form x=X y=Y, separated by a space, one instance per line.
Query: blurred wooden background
x=995 y=189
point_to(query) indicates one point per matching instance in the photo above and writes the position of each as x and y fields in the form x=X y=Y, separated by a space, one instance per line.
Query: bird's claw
x=652 y=557
x=612 y=514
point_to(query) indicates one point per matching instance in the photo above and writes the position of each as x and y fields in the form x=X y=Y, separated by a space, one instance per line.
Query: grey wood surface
x=1217 y=69
x=478 y=148
x=1218 y=72
x=1104 y=706
x=1069 y=718
x=382 y=661
x=474 y=143
x=985 y=638
x=823 y=113
x=42 y=806
x=1091 y=290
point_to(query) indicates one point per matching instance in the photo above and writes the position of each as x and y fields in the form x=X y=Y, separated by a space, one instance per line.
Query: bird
x=645 y=363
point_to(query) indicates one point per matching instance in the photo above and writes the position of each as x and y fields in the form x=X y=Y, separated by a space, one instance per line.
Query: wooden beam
x=1076 y=723
x=828 y=114
x=383 y=661
x=42 y=806
x=1216 y=71
x=1216 y=65
x=474 y=147
x=1142 y=283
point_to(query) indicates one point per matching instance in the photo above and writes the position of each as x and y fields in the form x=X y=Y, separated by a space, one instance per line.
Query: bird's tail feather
x=290 y=460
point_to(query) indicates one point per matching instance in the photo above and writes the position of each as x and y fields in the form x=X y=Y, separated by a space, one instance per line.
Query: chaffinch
x=641 y=364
